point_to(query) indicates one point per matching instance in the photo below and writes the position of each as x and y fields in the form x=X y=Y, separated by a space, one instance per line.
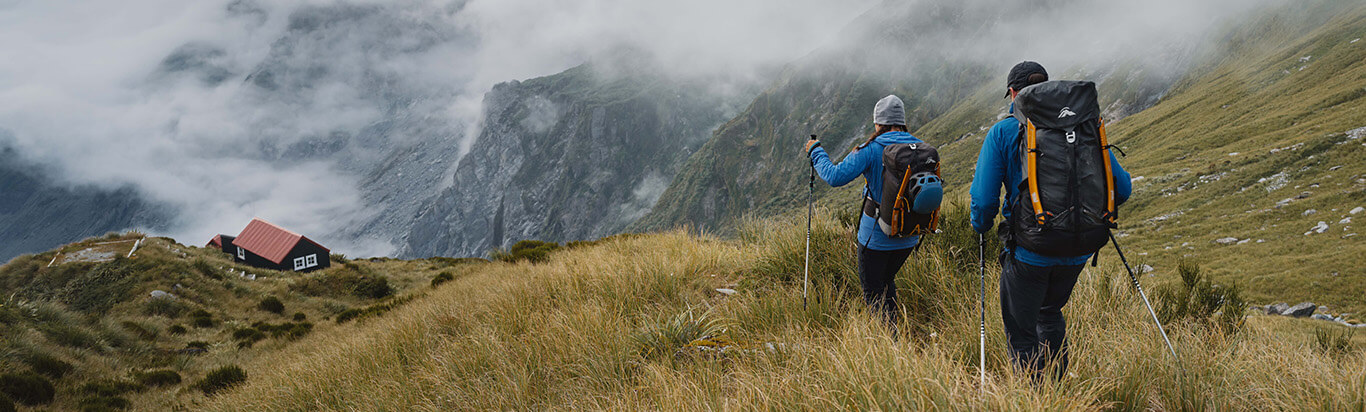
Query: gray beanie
x=890 y=111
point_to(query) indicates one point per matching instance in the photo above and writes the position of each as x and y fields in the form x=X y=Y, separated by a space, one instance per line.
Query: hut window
x=241 y=254
x=312 y=260
x=299 y=263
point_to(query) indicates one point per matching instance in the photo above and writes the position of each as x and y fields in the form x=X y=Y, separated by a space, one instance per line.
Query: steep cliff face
x=37 y=213
x=577 y=155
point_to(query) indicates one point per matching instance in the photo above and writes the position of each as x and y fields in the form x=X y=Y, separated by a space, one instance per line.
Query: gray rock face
x=577 y=155
x=1277 y=308
x=37 y=213
x=1301 y=310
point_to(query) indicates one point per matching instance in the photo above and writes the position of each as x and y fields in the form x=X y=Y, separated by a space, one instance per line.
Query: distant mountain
x=576 y=155
x=38 y=213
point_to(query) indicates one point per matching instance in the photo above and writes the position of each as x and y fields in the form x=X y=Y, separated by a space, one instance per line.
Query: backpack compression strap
x=898 y=208
x=1110 y=212
x=1032 y=152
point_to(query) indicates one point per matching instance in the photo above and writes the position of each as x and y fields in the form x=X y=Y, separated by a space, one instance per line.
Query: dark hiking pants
x=1032 y=298
x=877 y=273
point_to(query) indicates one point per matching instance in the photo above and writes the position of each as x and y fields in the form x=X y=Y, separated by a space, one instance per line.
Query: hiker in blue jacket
x=1034 y=287
x=879 y=257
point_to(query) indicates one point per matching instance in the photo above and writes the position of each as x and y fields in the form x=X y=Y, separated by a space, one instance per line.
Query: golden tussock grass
x=602 y=327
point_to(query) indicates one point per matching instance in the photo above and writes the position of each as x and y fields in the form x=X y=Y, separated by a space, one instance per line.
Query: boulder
x=1277 y=308
x=1358 y=209
x=1301 y=310
x=1145 y=269
x=1319 y=228
x=161 y=294
x=1309 y=212
x=1320 y=316
x=725 y=291
x=1226 y=240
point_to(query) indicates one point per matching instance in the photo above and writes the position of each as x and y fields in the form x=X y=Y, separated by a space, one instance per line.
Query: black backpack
x=911 y=191
x=1066 y=202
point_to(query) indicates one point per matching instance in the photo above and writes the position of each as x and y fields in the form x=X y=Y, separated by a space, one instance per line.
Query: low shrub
x=176 y=329
x=69 y=335
x=198 y=344
x=146 y=332
x=372 y=310
x=27 y=388
x=104 y=404
x=666 y=338
x=160 y=377
x=48 y=365
x=246 y=337
x=6 y=405
x=1198 y=300
x=221 y=379
x=166 y=307
x=442 y=277
x=1332 y=343
x=272 y=304
x=348 y=280
x=300 y=316
x=201 y=319
x=111 y=388
x=534 y=251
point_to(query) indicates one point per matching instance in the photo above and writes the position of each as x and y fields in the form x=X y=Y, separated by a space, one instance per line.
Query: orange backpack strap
x=1110 y=211
x=1032 y=152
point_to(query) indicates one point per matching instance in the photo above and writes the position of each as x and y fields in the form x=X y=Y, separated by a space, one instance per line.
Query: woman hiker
x=879 y=257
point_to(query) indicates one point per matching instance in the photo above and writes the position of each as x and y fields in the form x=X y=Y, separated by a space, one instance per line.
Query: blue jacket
x=998 y=164
x=867 y=162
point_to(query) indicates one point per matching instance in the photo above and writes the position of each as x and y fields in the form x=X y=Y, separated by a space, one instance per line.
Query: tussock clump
x=272 y=304
x=27 y=388
x=104 y=404
x=48 y=365
x=442 y=277
x=169 y=308
x=201 y=319
x=1334 y=343
x=666 y=338
x=160 y=377
x=221 y=379
x=372 y=310
x=176 y=329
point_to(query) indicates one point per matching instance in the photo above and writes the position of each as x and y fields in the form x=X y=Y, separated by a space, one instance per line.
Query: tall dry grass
x=614 y=326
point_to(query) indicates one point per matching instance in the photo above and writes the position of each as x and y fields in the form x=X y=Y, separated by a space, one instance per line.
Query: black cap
x=1019 y=76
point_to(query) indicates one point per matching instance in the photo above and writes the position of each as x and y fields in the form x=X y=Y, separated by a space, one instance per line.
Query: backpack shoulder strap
x=1031 y=169
x=1110 y=211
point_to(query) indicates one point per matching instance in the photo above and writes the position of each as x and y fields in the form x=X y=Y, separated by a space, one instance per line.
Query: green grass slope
x=90 y=335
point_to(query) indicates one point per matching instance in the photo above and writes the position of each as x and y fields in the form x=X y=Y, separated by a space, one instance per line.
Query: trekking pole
x=1134 y=277
x=982 y=334
x=810 y=209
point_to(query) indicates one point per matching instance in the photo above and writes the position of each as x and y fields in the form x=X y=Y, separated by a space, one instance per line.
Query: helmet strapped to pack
x=1066 y=203
x=912 y=190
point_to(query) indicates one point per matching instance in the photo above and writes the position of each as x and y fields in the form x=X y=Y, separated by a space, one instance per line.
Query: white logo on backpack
x=1066 y=111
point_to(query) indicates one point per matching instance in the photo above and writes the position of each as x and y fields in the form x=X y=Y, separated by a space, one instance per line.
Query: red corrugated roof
x=269 y=241
x=216 y=241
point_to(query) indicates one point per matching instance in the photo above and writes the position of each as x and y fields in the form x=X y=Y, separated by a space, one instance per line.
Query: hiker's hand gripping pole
x=1134 y=278
x=810 y=209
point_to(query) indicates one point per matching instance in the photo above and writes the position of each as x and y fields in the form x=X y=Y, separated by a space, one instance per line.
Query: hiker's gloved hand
x=812 y=145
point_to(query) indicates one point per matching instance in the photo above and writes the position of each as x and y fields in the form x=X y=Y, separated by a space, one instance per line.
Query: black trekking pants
x=877 y=273
x=1032 y=298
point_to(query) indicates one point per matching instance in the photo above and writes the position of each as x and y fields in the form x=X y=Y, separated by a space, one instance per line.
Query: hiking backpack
x=1066 y=202
x=911 y=191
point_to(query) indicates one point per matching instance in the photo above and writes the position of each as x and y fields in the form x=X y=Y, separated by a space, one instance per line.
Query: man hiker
x=879 y=256
x=1035 y=284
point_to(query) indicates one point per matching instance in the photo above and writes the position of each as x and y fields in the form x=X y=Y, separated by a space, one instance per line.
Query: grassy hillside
x=636 y=323
x=85 y=335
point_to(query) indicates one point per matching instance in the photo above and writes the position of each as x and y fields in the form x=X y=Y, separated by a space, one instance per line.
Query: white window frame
x=299 y=263
x=241 y=253
x=312 y=260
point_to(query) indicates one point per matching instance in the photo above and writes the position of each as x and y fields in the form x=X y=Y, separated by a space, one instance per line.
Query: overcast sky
x=81 y=91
